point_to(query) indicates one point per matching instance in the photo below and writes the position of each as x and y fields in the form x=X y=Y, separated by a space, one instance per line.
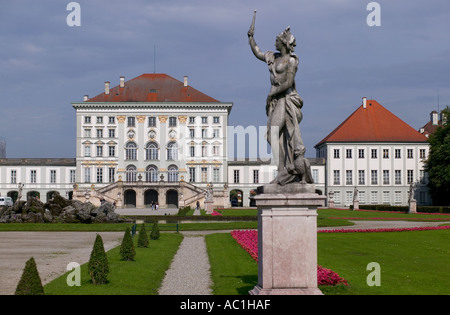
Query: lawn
x=410 y=262
x=413 y=263
x=143 y=276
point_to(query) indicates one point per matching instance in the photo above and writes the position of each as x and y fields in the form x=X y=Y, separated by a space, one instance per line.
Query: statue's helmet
x=287 y=39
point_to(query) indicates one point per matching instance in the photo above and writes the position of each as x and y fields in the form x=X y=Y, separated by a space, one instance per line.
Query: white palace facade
x=157 y=139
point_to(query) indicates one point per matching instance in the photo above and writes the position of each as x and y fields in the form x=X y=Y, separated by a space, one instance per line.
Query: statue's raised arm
x=251 y=40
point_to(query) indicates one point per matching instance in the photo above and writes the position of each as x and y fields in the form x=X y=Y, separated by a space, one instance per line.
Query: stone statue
x=283 y=108
x=355 y=194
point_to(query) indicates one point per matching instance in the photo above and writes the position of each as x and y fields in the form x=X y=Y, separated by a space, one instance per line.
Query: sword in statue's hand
x=251 y=31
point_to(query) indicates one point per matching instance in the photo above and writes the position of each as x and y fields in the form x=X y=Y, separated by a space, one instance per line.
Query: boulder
x=59 y=209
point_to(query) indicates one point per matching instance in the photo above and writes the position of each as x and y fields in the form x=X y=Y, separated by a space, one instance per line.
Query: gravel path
x=52 y=251
x=189 y=272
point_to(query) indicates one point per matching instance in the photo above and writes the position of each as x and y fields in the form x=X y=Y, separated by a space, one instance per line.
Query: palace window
x=410 y=153
x=99 y=175
x=361 y=177
x=349 y=177
x=236 y=176
x=336 y=177
x=361 y=153
x=255 y=176
x=336 y=153
x=131 y=151
x=99 y=133
x=172 y=173
x=374 y=177
x=152 y=121
x=52 y=176
x=172 y=121
x=398 y=177
x=374 y=153
x=33 y=176
x=111 y=174
x=386 y=180
x=151 y=151
x=204 y=173
x=72 y=176
x=87 y=174
x=192 y=174
x=348 y=153
x=13 y=177
x=130 y=173
x=87 y=150
x=99 y=150
x=172 y=151
x=410 y=176
x=112 y=151
x=131 y=122
x=151 y=173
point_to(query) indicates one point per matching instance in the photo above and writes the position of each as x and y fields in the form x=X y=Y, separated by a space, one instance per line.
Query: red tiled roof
x=373 y=124
x=153 y=88
x=429 y=128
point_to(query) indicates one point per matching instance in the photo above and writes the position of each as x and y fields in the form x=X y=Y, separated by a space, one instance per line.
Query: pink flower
x=215 y=213
x=249 y=242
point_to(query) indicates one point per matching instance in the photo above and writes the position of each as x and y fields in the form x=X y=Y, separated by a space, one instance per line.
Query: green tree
x=30 y=282
x=98 y=262
x=143 y=237
x=438 y=163
x=127 y=251
x=154 y=235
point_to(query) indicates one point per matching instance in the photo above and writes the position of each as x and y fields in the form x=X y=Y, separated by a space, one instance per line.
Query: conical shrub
x=154 y=235
x=127 y=248
x=143 y=237
x=30 y=282
x=98 y=263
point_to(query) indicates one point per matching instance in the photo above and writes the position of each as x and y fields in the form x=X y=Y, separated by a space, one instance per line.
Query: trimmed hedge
x=423 y=209
x=178 y=218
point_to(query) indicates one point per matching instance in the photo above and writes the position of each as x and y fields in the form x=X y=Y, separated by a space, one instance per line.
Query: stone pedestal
x=331 y=204
x=412 y=206
x=209 y=206
x=287 y=240
x=355 y=204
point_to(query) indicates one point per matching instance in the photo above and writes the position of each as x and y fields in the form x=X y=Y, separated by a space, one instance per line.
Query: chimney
x=107 y=87
x=364 y=102
x=86 y=98
x=122 y=81
x=185 y=80
x=434 y=118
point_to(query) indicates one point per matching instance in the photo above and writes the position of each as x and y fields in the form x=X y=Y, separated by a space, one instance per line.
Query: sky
x=45 y=64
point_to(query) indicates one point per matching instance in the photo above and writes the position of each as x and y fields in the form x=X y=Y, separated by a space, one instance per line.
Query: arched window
x=131 y=151
x=151 y=173
x=172 y=151
x=172 y=173
x=151 y=151
x=131 y=173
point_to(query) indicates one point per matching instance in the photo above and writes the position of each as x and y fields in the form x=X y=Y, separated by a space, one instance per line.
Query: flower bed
x=386 y=230
x=215 y=213
x=248 y=240
x=389 y=219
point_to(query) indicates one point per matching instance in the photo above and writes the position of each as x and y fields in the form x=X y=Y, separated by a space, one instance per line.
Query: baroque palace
x=157 y=139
